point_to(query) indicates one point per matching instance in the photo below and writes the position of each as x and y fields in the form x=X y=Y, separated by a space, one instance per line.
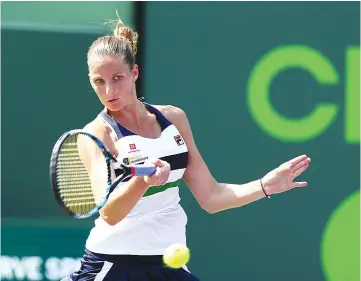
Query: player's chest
x=136 y=150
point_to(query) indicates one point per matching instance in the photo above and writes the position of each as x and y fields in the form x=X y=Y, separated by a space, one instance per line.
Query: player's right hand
x=161 y=175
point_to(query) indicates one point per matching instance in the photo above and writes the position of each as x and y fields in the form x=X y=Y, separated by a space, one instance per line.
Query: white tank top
x=157 y=220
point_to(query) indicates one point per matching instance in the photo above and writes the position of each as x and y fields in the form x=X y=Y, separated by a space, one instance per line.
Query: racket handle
x=143 y=170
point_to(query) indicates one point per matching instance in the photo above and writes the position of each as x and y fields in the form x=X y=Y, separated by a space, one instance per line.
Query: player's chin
x=114 y=105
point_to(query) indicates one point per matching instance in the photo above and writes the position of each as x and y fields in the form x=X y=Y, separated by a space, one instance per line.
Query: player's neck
x=133 y=114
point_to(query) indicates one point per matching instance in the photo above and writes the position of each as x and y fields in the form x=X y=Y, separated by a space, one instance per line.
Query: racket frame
x=127 y=172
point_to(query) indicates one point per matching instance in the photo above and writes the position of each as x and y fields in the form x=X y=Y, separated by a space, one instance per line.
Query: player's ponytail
x=123 y=44
x=123 y=32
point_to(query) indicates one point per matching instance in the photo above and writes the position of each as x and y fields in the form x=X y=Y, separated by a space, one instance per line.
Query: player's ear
x=135 y=72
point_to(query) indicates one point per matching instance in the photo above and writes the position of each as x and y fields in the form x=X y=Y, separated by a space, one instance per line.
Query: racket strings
x=74 y=183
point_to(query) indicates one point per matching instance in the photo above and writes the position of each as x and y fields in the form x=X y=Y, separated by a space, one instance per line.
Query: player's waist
x=143 y=235
x=166 y=217
x=124 y=259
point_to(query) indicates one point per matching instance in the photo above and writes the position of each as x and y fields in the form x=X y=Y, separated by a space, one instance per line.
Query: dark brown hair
x=123 y=44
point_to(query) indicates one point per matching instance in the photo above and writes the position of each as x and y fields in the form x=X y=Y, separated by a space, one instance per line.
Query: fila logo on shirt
x=178 y=139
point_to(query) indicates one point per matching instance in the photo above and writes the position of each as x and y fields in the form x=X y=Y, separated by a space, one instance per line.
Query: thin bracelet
x=264 y=191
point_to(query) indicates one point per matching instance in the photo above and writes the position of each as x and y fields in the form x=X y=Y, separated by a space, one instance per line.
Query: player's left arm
x=211 y=195
x=214 y=196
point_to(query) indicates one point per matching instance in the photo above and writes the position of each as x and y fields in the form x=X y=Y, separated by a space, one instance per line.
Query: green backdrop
x=45 y=91
x=260 y=82
x=69 y=16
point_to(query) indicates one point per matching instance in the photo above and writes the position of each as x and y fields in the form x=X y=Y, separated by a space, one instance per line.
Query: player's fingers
x=300 y=170
x=157 y=162
x=299 y=184
x=297 y=160
x=166 y=172
x=163 y=174
x=162 y=179
x=301 y=164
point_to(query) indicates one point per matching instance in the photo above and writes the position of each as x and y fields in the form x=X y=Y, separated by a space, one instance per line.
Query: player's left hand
x=282 y=178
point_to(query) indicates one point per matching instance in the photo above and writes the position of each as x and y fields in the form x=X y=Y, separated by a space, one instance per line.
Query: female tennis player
x=143 y=216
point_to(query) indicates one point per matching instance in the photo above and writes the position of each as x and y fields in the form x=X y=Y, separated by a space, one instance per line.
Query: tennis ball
x=176 y=255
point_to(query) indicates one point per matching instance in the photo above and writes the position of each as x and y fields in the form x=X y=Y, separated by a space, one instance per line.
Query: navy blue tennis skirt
x=126 y=268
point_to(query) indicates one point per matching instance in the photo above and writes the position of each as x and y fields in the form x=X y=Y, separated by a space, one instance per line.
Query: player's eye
x=98 y=81
x=118 y=78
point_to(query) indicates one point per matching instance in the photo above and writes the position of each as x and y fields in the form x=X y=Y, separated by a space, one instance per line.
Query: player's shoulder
x=176 y=116
x=100 y=130
x=97 y=128
x=172 y=113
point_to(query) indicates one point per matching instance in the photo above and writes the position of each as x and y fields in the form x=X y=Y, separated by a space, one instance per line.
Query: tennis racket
x=79 y=192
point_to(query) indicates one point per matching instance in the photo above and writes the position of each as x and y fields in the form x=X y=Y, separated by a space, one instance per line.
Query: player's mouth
x=112 y=100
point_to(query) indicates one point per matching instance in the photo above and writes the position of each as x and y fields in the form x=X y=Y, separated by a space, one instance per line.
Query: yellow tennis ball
x=176 y=255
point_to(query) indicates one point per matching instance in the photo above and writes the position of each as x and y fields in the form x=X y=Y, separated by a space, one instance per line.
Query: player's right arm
x=123 y=198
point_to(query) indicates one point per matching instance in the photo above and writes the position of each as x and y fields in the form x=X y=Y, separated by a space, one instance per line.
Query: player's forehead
x=105 y=65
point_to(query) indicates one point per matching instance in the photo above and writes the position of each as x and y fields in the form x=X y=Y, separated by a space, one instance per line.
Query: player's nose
x=109 y=90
